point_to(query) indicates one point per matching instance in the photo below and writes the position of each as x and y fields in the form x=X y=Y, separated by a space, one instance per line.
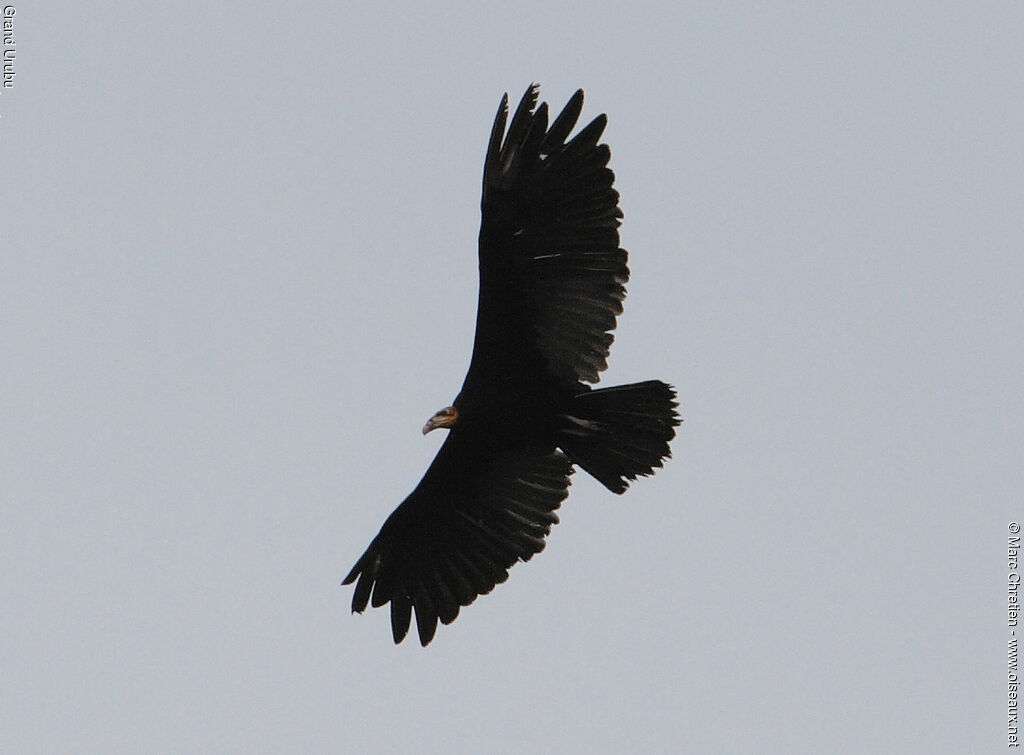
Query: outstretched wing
x=552 y=275
x=475 y=513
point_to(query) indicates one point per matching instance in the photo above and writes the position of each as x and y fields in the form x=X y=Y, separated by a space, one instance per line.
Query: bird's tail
x=619 y=433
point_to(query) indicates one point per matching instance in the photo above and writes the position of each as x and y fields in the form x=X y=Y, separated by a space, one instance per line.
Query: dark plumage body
x=552 y=281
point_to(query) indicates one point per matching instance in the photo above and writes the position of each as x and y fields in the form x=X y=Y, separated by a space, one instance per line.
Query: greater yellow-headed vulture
x=552 y=282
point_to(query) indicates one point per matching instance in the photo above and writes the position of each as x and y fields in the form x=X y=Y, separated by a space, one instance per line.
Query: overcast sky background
x=239 y=273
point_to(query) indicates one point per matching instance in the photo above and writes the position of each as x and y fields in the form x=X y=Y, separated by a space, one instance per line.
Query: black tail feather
x=617 y=434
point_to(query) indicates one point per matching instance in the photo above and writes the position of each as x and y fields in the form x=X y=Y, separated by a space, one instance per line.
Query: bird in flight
x=552 y=282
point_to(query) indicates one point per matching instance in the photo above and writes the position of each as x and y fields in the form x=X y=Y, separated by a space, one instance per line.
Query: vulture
x=552 y=282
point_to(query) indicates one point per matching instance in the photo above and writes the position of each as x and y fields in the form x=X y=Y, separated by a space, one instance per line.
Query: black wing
x=474 y=514
x=552 y=281
x=552 y=275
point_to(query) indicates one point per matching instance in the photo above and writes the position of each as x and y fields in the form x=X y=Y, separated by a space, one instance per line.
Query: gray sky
x=239 y=273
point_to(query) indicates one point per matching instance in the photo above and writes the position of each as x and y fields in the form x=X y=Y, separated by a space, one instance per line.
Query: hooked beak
x=444 y=418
